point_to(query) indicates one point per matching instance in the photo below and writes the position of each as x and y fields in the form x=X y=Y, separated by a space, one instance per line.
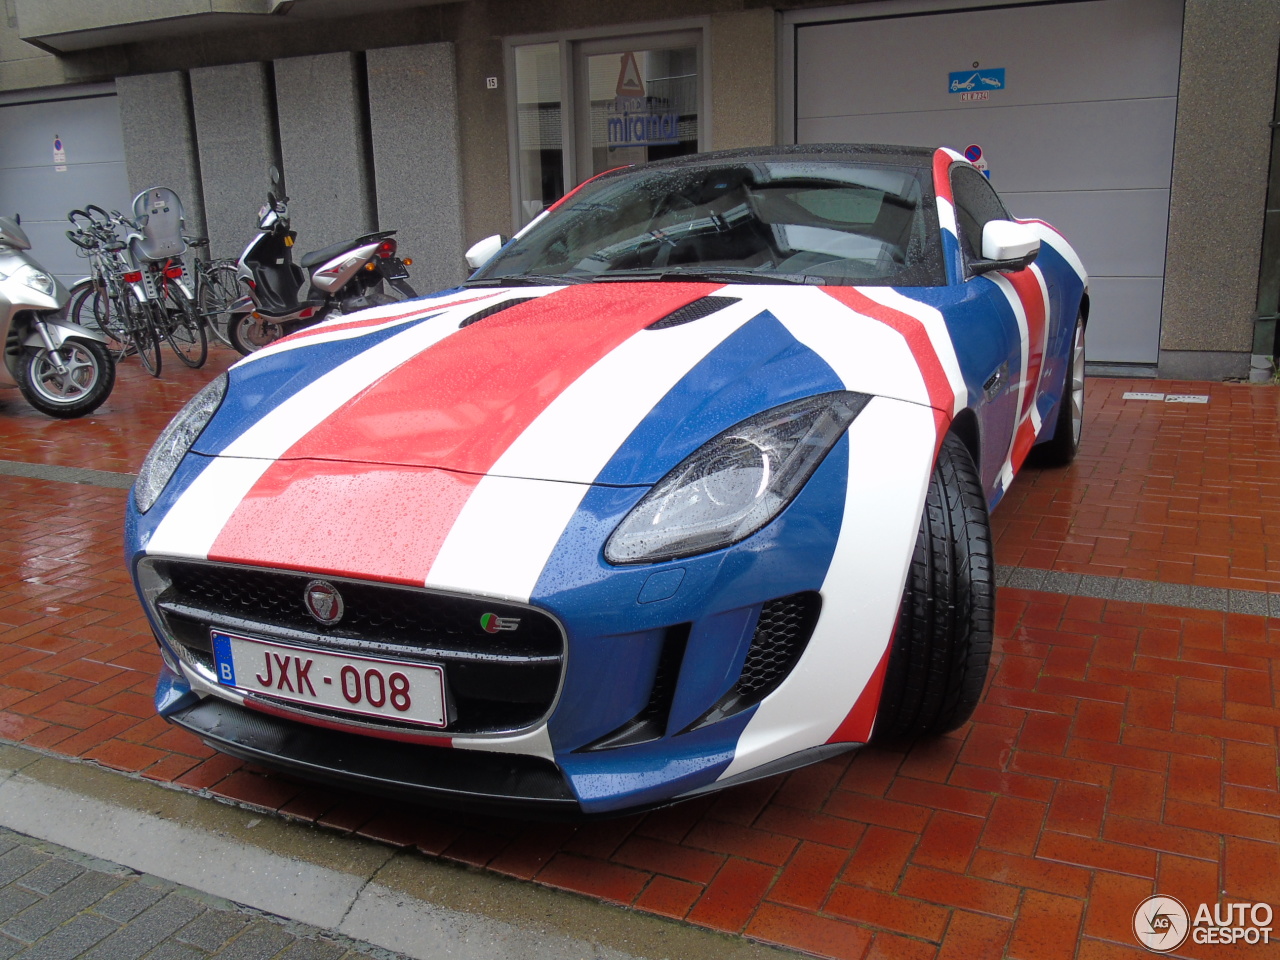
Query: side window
x=976 y=203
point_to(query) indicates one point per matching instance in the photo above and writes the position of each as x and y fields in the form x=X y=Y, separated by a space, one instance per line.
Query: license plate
x=408 y=692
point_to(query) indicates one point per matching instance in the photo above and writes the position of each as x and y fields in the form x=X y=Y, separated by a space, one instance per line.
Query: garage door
x=1073 y=105
x=41 y=186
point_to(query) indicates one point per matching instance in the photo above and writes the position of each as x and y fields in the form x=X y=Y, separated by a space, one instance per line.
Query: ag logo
x=323 y=601
x=1161 y=923
x=492 y=623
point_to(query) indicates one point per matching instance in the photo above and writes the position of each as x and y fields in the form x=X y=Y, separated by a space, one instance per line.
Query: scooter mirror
x=275 y=174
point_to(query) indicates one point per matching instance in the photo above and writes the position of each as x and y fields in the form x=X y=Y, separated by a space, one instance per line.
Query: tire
x=90 y=377
x=1061 y=449
x=142 y=334
x=217 y=293
x=90 y=306
x=249 y=334
x=942 y=644
x=184 y=331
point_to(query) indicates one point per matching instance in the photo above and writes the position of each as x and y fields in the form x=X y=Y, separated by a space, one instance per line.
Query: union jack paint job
x=405 y=445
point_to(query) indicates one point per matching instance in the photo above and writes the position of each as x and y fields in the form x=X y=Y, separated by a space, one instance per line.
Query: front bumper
x=463 y=779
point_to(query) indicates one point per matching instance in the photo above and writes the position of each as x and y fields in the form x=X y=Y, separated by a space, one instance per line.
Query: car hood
x=610 y=383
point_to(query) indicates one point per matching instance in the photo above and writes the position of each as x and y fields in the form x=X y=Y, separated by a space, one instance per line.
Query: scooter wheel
x=87 y=378
x=249 y=334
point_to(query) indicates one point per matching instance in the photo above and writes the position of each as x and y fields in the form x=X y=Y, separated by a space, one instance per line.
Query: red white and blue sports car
x=686 y=486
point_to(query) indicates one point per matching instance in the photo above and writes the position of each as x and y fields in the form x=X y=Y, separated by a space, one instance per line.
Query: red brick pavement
x=1120 y=749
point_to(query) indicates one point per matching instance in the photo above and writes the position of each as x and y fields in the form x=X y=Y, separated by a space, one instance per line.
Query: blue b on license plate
x=368 y=686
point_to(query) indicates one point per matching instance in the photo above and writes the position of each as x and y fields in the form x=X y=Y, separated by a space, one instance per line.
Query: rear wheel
x=250 y=334
x=942 y=644
x=184 y=331
x=142 y=333
x=1061 y=449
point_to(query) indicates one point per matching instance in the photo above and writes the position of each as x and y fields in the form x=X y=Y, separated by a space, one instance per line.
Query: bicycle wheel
x=91 y=307
x=218 y=290
x=183 y=329
x=142 y=331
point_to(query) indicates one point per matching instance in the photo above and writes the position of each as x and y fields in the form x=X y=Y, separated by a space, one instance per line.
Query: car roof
x=907 y=156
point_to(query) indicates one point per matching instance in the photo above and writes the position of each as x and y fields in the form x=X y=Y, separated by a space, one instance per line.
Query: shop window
x=586 y=105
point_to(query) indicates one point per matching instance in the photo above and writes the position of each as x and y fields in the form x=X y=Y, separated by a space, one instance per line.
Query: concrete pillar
x=235 y=131
x=159 y=140
x=325 y=145
x=1222 y=144
x=742 y=50
x=413 y=110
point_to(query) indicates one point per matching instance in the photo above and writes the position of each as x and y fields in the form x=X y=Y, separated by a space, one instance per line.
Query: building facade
x=1143 y=129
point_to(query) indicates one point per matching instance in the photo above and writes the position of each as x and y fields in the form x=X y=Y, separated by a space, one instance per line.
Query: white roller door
x=42 y=185
x=1080 y=134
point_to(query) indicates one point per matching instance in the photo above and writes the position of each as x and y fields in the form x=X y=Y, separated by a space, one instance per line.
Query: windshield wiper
x=525 y=280
x=710 y=276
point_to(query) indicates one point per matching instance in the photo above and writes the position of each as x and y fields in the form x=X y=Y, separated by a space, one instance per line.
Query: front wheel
x=218 y=291
x=249 y=333
x=86 y=379
x=942 y=644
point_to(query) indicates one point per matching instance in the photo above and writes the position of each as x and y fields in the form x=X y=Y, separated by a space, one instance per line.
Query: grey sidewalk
x=172 y=869
x=57 y=904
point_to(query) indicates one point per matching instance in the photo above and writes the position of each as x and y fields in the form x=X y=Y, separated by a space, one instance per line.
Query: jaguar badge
x=323 y=601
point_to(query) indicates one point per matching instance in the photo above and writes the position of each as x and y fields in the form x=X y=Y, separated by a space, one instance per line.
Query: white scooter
x=344 y=277
x=62 y=368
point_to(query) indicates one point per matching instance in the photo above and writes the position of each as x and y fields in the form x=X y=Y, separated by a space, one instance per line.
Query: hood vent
x=694 y=311
x=496 y=308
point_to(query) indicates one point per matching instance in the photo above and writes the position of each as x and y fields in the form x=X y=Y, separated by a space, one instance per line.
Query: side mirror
x=1006 y=245
x=485 y=250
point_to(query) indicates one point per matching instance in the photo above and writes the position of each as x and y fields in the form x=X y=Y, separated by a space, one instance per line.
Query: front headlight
x=175 y=441
x=34 y=278
x=735 y=483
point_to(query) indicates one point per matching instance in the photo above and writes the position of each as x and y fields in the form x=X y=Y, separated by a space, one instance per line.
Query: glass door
x=636 y=99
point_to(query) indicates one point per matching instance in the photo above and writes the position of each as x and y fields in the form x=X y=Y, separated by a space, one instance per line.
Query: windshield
x=794 y=221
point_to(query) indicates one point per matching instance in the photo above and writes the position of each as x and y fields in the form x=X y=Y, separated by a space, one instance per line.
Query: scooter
x=344 y=277
x=62 y=368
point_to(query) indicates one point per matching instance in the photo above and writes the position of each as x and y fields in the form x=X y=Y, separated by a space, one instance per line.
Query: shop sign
x=635 y=119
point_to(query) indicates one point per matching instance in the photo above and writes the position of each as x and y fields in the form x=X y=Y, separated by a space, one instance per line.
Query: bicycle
x=112 y=299
x=216 y=288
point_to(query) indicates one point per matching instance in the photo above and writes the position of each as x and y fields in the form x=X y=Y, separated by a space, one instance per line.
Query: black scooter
x=344 y=277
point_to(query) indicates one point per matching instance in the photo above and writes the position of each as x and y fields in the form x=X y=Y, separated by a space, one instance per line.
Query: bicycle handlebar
x=94 y=208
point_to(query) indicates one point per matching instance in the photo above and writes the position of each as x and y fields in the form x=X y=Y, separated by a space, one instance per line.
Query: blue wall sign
x=971 y=81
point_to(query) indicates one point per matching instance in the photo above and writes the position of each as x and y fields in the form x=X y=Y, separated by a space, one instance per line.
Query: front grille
x=781 y=634
x=495 y=682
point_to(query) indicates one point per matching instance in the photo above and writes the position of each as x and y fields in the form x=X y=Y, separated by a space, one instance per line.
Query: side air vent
x=782 y=633
x=693 y=311
x=651 y=722
x=490 y=311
